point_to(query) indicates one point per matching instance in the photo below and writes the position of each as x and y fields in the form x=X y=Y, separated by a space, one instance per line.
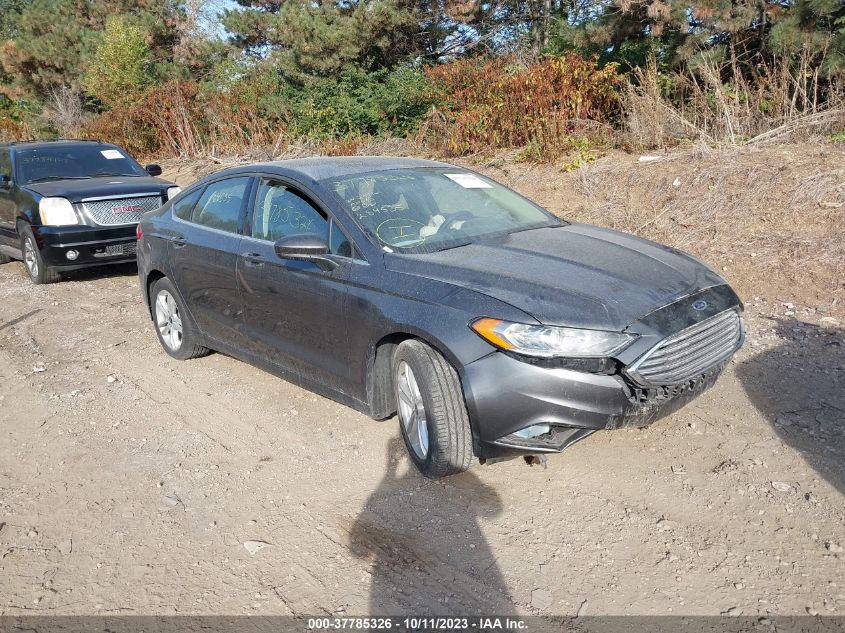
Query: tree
x=120 y=67
x=324 y=38
x=52 y=41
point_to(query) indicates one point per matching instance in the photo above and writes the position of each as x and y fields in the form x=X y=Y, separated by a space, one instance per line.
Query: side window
x=281 y=211
x=5 y=164
x=185 y=206
x=219 y=206
x=339 y=244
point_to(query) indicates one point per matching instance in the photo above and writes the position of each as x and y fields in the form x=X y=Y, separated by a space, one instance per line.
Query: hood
x=576 y=275
x=77 y=189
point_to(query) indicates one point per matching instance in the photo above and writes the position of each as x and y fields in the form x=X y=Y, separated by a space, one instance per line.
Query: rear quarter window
x=220 y=205
x=185 y=206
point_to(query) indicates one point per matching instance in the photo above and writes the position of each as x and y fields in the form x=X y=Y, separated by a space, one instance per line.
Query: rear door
x=203 y=256
x=294 y=312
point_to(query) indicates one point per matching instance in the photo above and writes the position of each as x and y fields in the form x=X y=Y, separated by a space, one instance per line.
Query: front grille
x=690 y=352
x=120 y=211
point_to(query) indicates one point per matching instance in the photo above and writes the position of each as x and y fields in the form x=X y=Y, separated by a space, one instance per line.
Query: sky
x=211 y=9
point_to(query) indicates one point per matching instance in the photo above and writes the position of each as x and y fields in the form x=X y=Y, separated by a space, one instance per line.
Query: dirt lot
x=131 y=483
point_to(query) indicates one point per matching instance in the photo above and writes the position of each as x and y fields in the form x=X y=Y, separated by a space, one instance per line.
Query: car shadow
x=101 y=272
x=428 y=553
x=799 y=385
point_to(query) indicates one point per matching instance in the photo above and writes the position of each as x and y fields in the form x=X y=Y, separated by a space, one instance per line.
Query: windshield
x=64 y=161
x=426 y=210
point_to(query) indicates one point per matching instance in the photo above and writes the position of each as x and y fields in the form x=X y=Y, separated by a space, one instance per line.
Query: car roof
x=325 y=167
x=38 y=144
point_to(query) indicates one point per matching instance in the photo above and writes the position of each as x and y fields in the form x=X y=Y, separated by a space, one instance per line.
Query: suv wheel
x=432 y=412
x=37 y=269
x=176 y=332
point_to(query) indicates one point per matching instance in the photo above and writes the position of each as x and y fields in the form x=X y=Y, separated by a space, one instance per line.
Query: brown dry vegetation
x=770 y=218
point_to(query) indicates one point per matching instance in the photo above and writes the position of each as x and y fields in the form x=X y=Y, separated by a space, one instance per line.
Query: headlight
x=172 y=192
x=57 y=212
x=549 y=341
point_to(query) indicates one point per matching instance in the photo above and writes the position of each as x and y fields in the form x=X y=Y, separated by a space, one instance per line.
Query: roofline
x=54 y=140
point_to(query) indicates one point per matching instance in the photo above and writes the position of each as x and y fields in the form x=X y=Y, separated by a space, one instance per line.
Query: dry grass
x=785 y=102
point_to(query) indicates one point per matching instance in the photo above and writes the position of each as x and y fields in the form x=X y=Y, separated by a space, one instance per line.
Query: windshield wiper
x=105 y=173
x=46 y=178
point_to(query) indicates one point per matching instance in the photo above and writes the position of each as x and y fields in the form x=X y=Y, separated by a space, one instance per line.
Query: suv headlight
x=547 y=341
x=57 y=212
x=172 y=192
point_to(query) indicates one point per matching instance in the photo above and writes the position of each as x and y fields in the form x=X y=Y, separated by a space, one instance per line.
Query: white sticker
x=469 y=181
x=111 y=154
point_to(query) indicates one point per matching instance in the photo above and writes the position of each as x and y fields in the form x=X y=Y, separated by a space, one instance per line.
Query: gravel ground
x=132 y=483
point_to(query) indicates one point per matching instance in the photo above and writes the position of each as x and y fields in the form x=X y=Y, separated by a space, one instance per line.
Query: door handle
x=253 y=259
x=178 y=240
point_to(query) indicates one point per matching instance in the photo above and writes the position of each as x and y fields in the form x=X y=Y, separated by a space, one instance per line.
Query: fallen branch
x=809 y=120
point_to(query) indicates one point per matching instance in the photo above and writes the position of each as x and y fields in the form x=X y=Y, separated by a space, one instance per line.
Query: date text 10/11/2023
x=410 y=623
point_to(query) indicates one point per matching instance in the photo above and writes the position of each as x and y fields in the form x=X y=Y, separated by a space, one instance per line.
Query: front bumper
x=505 y=395
x=95 y=245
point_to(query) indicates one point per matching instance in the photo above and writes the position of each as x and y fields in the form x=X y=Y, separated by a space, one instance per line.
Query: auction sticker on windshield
x=112 y=154
x=469 y=181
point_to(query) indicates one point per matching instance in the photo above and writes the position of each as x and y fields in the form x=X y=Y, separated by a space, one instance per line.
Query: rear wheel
x=176 y=332
x=432 y=412
x=36 y=268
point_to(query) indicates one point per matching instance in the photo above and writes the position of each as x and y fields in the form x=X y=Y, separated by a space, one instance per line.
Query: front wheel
x=432 y=412
x=36 y=268
x=175 y=330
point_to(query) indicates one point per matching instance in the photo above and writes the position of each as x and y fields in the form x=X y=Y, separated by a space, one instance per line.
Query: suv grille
x=691 y=351
x=121 y=210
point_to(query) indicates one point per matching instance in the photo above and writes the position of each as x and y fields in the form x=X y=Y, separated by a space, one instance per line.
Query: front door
x=8 y=208
x=203 y=258
x=294 y=311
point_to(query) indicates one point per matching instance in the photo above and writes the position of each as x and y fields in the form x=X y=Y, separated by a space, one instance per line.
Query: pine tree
x=324 y=38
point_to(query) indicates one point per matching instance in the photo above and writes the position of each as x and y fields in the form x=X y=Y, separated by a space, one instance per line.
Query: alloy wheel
x=412 y=410
x=168 y=320
x=30 y=257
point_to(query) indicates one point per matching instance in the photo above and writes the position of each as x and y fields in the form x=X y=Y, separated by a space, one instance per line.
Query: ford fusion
x=70 y=204
x=493 y=328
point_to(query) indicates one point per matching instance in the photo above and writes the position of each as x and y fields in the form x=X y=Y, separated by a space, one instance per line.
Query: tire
x=36 y=268
x=174 y=327
x=431 y=391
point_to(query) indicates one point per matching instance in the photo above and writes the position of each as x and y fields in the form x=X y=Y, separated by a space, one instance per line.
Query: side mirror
x=307 y=248
x=5 y=183
x=153 y=169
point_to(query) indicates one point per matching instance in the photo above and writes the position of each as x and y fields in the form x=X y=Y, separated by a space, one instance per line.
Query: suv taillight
x=139 y=233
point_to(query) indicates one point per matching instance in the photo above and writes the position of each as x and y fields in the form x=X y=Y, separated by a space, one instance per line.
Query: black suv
x=68 y=204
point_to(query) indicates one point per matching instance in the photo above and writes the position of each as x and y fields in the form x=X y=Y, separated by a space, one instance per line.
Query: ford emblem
x=699 y=305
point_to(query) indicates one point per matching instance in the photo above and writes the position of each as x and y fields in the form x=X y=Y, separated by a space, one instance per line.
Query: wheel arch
x=380 y=375
x=153 y=276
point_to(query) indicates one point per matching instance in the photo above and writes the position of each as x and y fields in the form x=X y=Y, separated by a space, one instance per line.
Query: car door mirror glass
x=305 y=247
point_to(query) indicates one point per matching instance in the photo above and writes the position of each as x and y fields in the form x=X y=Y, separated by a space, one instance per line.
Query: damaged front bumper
x=505 y=396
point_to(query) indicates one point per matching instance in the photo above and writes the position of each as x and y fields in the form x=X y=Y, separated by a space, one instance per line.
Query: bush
x=491 y=104
x=258 y=109
x=176 y=119
x=119 y=69
x=379 y=103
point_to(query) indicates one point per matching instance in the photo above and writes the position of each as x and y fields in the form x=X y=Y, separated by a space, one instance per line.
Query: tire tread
x=451 y=443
